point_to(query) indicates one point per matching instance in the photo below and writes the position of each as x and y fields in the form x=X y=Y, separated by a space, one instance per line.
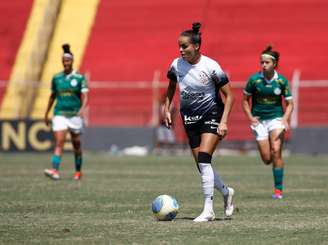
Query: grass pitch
x=112 y=203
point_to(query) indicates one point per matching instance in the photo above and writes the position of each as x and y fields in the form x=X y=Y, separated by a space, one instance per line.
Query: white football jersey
x=199 y=86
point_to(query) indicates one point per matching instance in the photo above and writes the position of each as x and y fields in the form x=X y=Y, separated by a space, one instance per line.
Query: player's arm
x=229 y=99
x=51 y=101
x=84 y=101
x=84 y=97
x=288 y=113
x=246 y=104
x=172 y=76
x=289 y=105
x=168 y=100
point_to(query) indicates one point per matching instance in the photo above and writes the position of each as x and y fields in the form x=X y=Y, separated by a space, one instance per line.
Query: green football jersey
x=68 y=89
x=267 y=95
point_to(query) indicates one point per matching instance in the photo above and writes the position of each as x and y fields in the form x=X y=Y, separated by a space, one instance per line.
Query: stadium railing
x=138 y=103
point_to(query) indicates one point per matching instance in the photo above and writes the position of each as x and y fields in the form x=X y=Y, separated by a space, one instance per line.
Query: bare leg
x=265 y=152
x=60 y=137
x=76 y=142
x=56 y=158
x=276 y=141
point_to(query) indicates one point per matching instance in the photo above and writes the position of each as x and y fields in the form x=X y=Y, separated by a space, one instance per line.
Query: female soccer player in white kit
x=203 y=112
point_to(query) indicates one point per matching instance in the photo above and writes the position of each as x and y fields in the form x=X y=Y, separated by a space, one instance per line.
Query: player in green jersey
x=269 y=121
x=70 y=90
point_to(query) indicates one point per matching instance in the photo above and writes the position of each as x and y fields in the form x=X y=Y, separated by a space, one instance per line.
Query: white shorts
x=73 y=124
x=262 y=130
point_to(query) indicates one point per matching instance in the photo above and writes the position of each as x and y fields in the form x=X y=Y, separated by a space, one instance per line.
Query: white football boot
x=205 y=216
x=228 y=205
x=52 y=174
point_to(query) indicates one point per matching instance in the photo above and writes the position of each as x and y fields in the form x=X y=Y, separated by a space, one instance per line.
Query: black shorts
x=207 y=124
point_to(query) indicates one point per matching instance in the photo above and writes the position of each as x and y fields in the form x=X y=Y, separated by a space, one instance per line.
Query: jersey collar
x=275 y=77
x=69 y=75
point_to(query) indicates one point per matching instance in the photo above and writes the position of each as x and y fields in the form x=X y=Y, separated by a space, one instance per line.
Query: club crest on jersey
x=74 y=82
x=204 y=78
x=277 y=91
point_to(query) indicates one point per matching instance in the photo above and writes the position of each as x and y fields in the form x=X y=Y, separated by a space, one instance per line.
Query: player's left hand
x=286 y=124
x=222 y=130
x=81 y=113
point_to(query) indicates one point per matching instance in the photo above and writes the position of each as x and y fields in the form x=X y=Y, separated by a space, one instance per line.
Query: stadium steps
x=29 y=60
x=313 y=107
x=130 y=40
x=139 y=37
x=120 y=107
x=13 y=20
x=73 y=26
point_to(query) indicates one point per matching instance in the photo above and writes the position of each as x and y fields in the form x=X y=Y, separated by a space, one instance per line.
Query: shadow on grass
x=192 y=218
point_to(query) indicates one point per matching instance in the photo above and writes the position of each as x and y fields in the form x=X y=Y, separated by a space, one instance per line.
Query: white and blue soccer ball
x=165 y=208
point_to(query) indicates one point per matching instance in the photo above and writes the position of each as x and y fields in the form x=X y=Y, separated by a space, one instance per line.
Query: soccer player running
x=203 y=112
x=267 y=117
x=69 y=88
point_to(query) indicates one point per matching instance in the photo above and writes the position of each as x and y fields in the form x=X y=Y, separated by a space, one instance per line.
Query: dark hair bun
x=66 y=48
x=268 y=49
x=195 y=27
x=271 y=52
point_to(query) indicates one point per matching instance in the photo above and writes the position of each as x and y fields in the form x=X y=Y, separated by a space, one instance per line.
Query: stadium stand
x=130 y=40
x=13 y=20
x=73 y=26
x=139 y=37
x=312 y=107
x=29 y=60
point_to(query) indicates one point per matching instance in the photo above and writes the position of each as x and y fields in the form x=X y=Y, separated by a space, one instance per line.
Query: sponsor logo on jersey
x=191 y=119
x=74 y=82
x=186 y=95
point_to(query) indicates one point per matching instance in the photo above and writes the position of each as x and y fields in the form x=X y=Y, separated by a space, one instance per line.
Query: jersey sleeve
x=218 y=75
x=286 y=90
x=249 y=88
x=172 y=73
x=84 y=85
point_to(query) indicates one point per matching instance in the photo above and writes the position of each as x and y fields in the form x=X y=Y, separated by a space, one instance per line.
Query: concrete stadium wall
x=31 y=135
x=310 y=140
x=34 y=135
x=105 y=138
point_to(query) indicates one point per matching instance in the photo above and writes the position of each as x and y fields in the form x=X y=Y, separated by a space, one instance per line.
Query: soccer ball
x=165 y=207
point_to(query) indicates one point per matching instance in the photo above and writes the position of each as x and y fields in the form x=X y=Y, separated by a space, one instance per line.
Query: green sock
x=78 y=162
x=55 y=160
x=278 y=176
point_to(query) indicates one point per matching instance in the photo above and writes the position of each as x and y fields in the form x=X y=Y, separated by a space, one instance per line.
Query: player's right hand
x=167 y=119
x=46 y=120
x=255 y=121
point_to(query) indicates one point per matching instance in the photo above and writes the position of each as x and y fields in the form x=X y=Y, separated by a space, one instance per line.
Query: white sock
x=207 y=176
x=219 y=184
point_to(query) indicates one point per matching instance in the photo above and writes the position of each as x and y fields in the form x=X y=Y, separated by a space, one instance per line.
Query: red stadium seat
x=13 y=20
x=131 y=39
